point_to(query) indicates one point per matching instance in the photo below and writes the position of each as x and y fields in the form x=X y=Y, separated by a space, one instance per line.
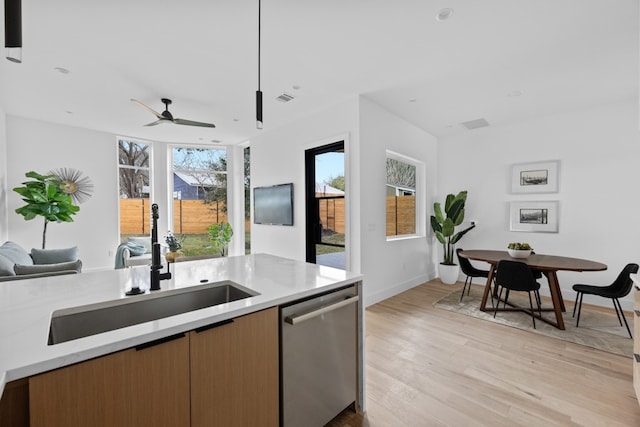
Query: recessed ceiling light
x=216 y=141
x=515 y=93
x=412 y=100
x=69 y=112
x=62 y=70
x=236 y=120
x=444 y=14
x=296 y=87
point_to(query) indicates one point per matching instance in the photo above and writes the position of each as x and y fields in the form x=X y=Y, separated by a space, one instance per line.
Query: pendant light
x=259 y=92
x=13 y=30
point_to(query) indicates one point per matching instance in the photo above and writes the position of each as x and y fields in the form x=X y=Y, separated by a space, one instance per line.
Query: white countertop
x=26 y=306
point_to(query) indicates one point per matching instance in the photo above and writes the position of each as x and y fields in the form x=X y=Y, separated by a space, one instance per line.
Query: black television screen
x=273 y=205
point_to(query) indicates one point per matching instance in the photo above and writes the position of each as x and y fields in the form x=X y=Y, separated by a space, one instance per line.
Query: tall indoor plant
x=444 y=223
x=44 y=196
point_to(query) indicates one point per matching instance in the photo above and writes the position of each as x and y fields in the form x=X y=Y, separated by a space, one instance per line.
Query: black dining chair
x=470 y=271
x=618 y=289
x=517 y=276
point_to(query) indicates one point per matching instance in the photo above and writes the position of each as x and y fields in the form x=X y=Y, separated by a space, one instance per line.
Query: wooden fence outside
x=332 y=214
x=401 y=215
x=194 y=216
x=189 y=216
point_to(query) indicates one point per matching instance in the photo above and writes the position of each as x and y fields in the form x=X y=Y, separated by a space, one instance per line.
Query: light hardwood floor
x=431 y=367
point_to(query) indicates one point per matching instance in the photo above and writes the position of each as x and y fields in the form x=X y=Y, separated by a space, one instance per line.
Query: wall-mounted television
x=273 y=205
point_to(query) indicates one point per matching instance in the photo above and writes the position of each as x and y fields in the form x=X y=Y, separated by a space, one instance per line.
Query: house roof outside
x=197 y=178
x=327 y=190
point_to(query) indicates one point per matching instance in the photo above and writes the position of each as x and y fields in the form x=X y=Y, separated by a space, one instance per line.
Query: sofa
x=16 y=263
x=135 y=251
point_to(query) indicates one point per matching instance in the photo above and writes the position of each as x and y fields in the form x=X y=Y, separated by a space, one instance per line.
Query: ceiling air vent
x=475 y=124
x=285 y=97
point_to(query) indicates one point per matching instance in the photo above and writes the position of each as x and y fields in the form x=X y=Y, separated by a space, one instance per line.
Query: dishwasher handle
x=298 y=318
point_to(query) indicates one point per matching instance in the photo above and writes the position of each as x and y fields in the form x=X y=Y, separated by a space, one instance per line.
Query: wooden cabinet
x=636 y=341
x=224 y=374
x=234 y=372
x=143 y=386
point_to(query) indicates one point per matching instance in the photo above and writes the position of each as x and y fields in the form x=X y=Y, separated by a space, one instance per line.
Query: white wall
x=41 y=147
x=278 y=157
x=4 y=223
x=598 y=150
x=391 y=267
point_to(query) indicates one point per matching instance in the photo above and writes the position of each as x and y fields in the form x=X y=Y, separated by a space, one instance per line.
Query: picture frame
x=534 y=216
x=540 y=177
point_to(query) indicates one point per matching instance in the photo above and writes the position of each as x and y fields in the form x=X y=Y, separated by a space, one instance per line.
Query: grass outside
x=330 y=237
x=196 y=244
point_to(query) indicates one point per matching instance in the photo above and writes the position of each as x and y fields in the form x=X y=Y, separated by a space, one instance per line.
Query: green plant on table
x=44 y=196
x=519 y=246
x=444 y=223
x=220 y=235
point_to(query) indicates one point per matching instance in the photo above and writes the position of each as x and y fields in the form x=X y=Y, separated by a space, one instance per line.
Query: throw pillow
x=144 y=241
x=6 y=266
x=15 y=253
x=54 y=256
x=48 y=268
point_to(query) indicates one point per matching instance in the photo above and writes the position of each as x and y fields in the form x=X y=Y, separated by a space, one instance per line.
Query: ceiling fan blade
x=157 y=122
x=151 y=110
x=192 y=123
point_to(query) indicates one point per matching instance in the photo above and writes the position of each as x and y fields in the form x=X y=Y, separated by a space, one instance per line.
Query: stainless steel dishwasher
x=319 y=357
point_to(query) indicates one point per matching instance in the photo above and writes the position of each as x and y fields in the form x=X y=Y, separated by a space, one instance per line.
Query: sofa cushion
x=15 y=253
x=143 y=241
x=54 y=256
x=48 y=268
x=6 y=266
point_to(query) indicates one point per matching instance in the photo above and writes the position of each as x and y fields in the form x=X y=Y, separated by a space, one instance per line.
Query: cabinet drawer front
x=127 y=388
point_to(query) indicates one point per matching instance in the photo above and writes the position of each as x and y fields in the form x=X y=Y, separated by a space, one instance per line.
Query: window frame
x=420 y=194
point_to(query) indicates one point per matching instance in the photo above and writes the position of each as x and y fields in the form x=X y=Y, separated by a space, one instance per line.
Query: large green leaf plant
x=220 y=235
x=444 y=223
x=44 y=197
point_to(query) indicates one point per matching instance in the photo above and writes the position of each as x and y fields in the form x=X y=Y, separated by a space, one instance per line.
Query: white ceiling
x=560 y=54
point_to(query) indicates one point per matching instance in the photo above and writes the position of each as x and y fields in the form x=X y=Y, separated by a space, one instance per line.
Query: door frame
x=311 y=211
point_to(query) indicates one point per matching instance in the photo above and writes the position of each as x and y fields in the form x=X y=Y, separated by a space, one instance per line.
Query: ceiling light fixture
x=259 y=92
x=444 y=14
x=13 y=30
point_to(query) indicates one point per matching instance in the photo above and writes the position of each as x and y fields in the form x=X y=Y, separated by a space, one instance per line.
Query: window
x=135 y=187
x=403 y=189
x=199 y=196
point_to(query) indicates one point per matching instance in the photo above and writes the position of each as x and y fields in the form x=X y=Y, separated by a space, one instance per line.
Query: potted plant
x=444 y=223
x=519 y=250
x=220 y=235
x=175 y=246
x=44 y=196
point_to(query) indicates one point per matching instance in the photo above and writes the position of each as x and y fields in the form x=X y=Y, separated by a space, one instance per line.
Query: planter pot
x=519 y=253
x=448 y=273
x=171 y=256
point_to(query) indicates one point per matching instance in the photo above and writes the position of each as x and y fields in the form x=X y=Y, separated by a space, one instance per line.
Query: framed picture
x=535 y=177
x=535 y=216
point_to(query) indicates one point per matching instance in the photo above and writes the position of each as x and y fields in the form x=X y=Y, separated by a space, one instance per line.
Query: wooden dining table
x=549 y=265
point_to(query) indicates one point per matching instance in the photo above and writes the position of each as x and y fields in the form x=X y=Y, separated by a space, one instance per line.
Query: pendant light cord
x=259 y=38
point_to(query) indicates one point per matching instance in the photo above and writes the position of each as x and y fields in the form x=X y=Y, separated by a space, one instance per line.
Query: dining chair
x=517 y=276
x=470 y=271
x=618 y=289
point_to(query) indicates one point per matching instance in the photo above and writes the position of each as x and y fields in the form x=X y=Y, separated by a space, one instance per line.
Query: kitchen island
x=26 y=308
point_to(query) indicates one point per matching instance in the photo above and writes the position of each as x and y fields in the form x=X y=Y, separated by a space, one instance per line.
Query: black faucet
x=156 y=264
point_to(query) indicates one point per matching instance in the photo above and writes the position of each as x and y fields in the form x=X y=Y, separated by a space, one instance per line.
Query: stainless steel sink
x=77 y=322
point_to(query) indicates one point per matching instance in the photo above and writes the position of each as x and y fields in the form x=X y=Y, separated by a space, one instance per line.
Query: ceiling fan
x=167 y=117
